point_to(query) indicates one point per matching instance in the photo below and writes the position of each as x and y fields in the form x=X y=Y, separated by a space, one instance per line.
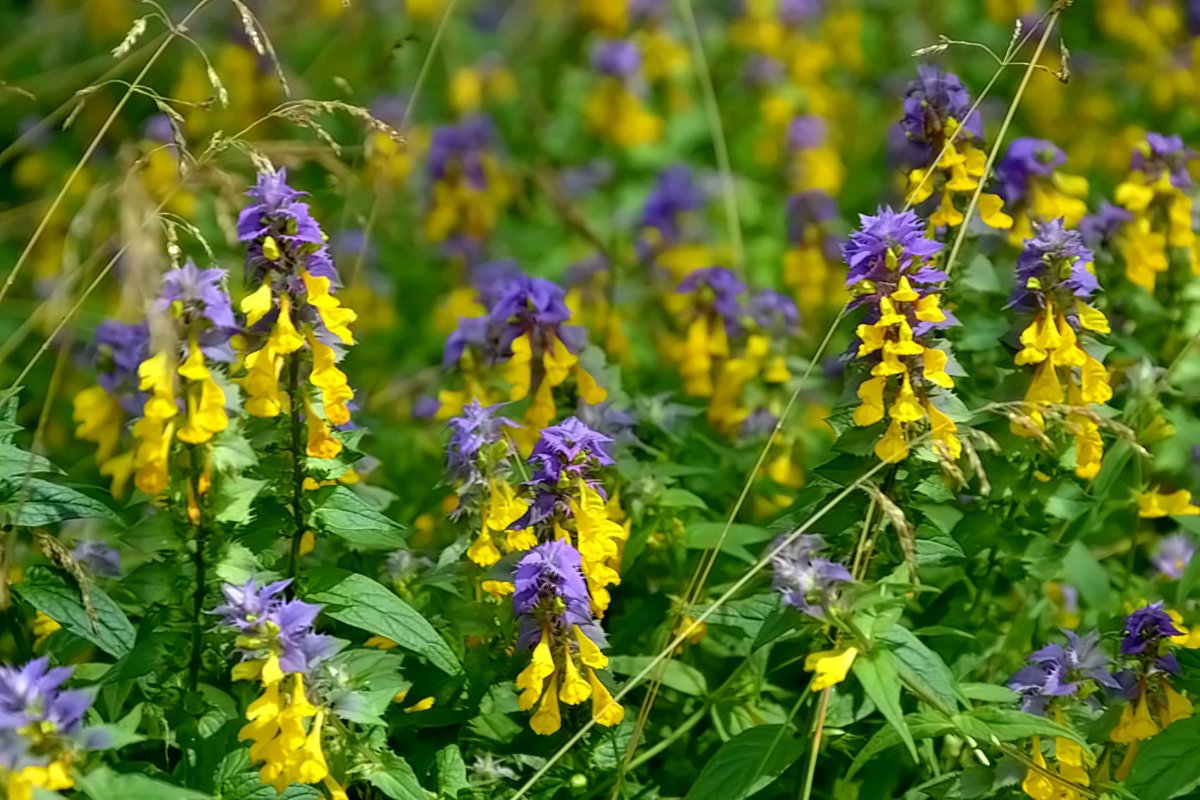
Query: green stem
x=297 y=464
x=201 y=566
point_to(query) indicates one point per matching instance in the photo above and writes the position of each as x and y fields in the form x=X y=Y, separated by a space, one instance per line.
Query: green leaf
x=747 y=763
x=922 y=669
x=102 y=783
x=365 y=604
x=233 y=498
x=340 y=512
x=680 y=498
x=989 y=693
x=675 y=674
x=34 y=502
x=14 y=461
x=395 y=778
x=1166 y=765
x=48 y=591
x=922 y=725
x=451 y=771
x=1010 y=725
x=1081 y=569
x=880 y=679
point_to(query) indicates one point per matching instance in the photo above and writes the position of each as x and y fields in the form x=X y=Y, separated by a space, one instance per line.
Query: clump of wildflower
x=670 y=236
x=478 y=459
x=890 y=273
x=487 y=80
x=710 y=321
x=41 y=728
x=589 y=297
x=1155 y=194
x=200 y=317
x=815 y=164
x=1054 y=675
x=100 y=411
x=1034 y=190
x=278 y=648
x=1055 y=283
x=936 y=119
x=813 y=250
x=807 y=581
x=294 y=318
x=568 y=503
x=615 y=109
x=469 y=185
x=552 y=598
x=1149 y=636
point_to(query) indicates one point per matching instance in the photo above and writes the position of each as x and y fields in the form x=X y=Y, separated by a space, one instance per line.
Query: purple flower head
x=120 y=348
x=676 y=193
x=1192 y=14
x=269 y=624
x=1164 y=154
x=759 y=423
x=390 y=108
x=930 y=100
x=619 y=58
x=550 y=591
x=806 y=132
x=31 y=698
x=1101 y=228
x=569 y=449
x=533 y=306
x=197 y=294
x=277 y=212
x=775 y=313
x=718 y=289
x=1173 y=556
x=796 y=12
x=806 y=210
x=157 y=128
x=1055 y=258
x=807 y=582
x=492 y=279
x=607 y=419
x=457 y=150
x=1057 y=671
x=888 y=245
x=1146 y=628
x=471 y=431
x=762 y=70
x=97 y=558
x=576 y=182
x=1026 y=159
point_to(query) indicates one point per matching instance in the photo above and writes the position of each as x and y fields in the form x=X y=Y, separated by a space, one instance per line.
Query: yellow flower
x=284 y=338
x=98 y=418
x=870 y=392
x=257 y=304
x=942 y=430
x=991 y=211
x=1135 y=723
x=1152 y=505
x=336 y=318
x=43 y=626
x=320 y=442
x=605 y=710
x=830 y=666
x=335 y=389
x=906 y=408
x=893 y=447
x=532 y=679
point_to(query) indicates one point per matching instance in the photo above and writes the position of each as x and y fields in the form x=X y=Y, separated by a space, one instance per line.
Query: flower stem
x=200 y=541
x=297 y=464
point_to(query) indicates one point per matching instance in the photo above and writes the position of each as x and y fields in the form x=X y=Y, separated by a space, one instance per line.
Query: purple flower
x=97 y=558
x=719 y=289
x=1146 y=628
x=675 y=193
x=762 y=70
x=1173 y=556
x=1100 y=228
x=1026 y=158
x=276 y=212
x=120 y=348
x=775 y=313
x=806 y=210
x=930 y=100
x=576 y=182
x=269 y=624
x=550 y=591
x=1055 y=258
x=537 y=307
x=471 y=431
x=759 y=423
x=199 y=294
x=390 y=108
x=32 y=703
x=806 y=582
x=569 y=447
x=888 y=245
x=618 y=58
x=458 y=150
x=1057 y=671
x=607 y=419
x=806 y=132
x=1161 y=153
x=795 y=12
x=157 y=128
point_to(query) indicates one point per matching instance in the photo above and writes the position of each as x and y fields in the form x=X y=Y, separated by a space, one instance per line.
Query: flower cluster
x=813 y=251
x=615 y=109
x=41 y=728
x=1055 y=283
x=669 y=238
x=292 y=312
x=201 y=321
x=278 y=648
x=1034 y=190
x=1155 y=196
x=807 y=581
x=555 y=607
x=942 y=149
x=890 y=273
x=468 y=183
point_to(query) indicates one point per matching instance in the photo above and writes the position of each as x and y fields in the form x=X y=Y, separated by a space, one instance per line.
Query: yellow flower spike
x=320 y=442
x=335 y=789
x=1094 y=386
x=270 y=249
x=1036 y=784
x=871 y=338
x=558 y=361
x=498 y=589
x=605 y=710
x=934 y=362
x=423 y=704
x=1135 y=723
x=1152 y=505
x=1030 y=353
x=1177 y=706
x=98 y=418
x=532 y=679
x=574 y=688
x=43 y=627
x=929 y=309
x=946 y=215
x=830 y=666
x=1045 y=387
x=517 y=371
x=904 y=292
x=154 y=376
x=919 y=189
x=590 y=392
x=991 y=211
x=1179 y=218
x=893 y=447
x=284 y=338
x=542 y=410
x=777 y=371
x=272 y=673
x=336 y=318
x=960 y=181
x=1091 y=319
x=257 y=304
x=313 y=769
x=942 y=430
x=1134 y=196
x=888 y=315
x=906 y=408
x=1089 y=447
x=547 y=720
x=261 y=383
x=871 y=394
x=335 y=389
x=483 y=551
x=589 y=653
x=153 y=454
x=193 y=367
